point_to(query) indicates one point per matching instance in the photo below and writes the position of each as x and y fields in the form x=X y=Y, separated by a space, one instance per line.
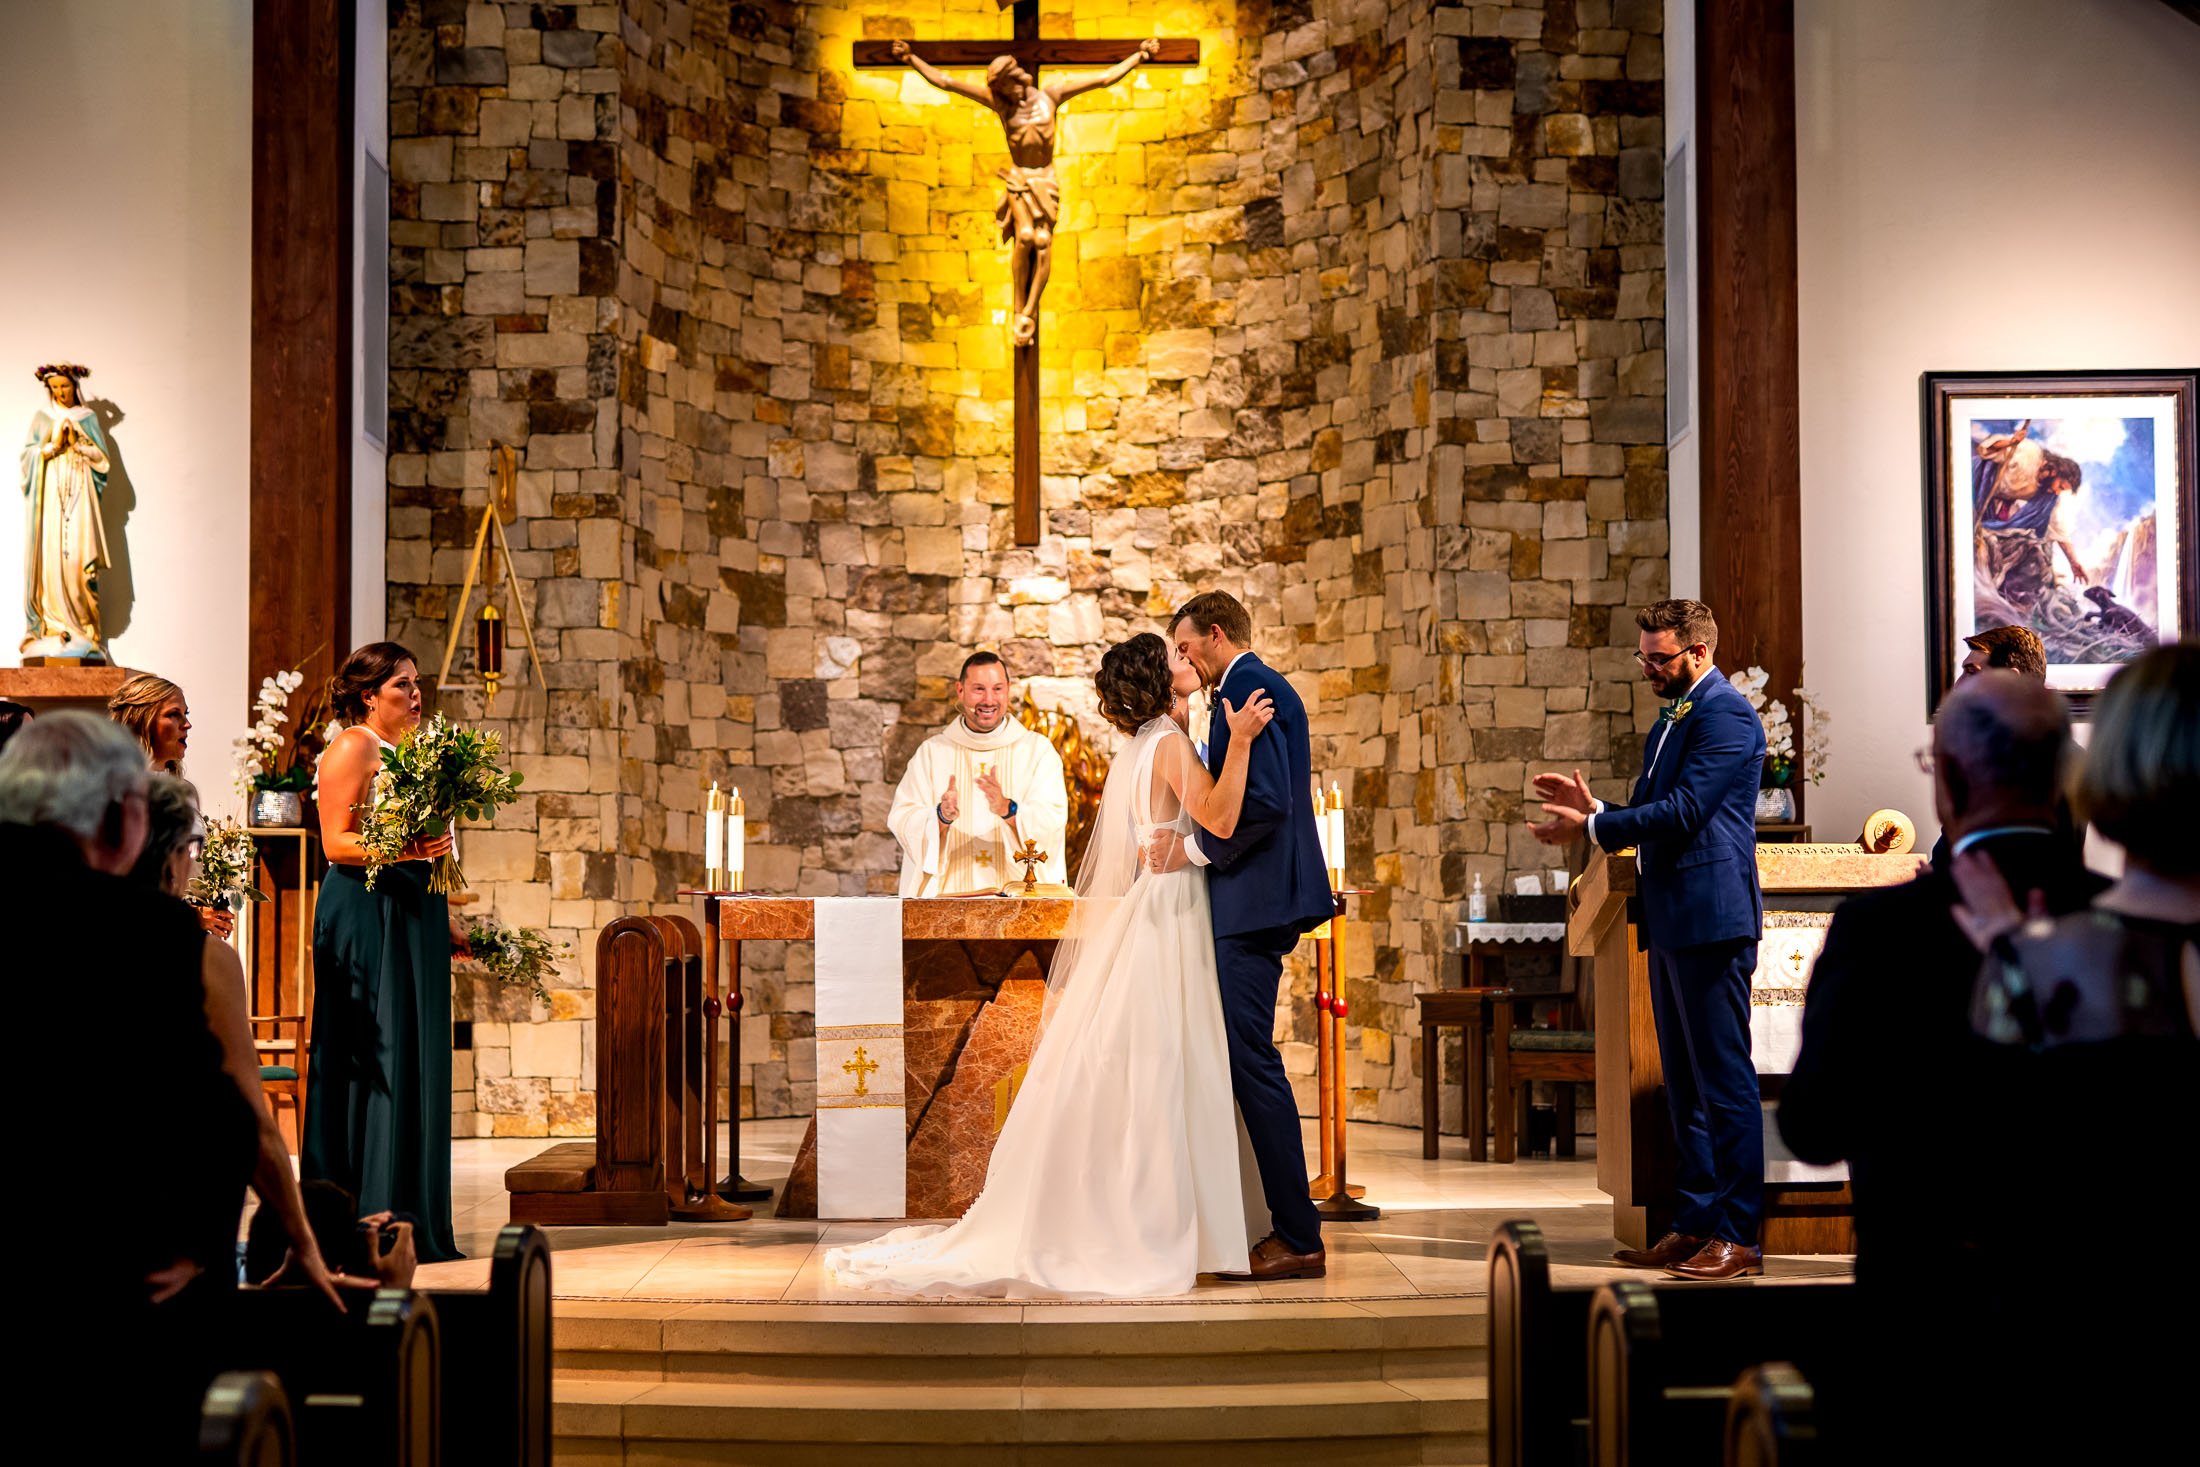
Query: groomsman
x=1692 y=824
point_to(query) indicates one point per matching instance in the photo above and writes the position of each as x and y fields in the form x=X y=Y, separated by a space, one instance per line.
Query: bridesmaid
x=155 y=712
x=378 y=1109
x=157 y=715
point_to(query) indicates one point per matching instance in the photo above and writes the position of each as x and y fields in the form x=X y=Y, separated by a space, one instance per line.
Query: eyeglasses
x=1924 y=757
x=1660 y=659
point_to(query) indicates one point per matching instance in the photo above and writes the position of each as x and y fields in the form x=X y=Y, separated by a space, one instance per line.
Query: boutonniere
x=1675 y=712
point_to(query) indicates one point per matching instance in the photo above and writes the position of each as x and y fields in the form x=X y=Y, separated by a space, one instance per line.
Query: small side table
x=1469 y=1009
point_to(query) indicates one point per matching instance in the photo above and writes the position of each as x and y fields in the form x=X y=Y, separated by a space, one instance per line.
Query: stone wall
x=1358 y=319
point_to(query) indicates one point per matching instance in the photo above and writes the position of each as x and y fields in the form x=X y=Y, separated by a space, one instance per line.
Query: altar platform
x=726 y=1342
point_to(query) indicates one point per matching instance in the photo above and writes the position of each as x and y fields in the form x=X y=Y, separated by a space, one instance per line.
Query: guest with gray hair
x=168 y=1121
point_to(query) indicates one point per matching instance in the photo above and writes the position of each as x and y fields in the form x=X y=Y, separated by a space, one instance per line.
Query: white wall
x=370 y=480
x=1982 y=185
x=126 y=189
x=1684 y=450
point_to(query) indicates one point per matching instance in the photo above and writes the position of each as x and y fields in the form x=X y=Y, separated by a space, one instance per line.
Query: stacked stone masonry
x=1360 y=319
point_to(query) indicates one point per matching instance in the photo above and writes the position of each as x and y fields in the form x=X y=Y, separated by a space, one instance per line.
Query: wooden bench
x=1662 y=1362
x=1538 y=1375
x=1771 y=1419
x=245 y=1422
x=497 y=1358
x=654 y=1070
x=365 y=1386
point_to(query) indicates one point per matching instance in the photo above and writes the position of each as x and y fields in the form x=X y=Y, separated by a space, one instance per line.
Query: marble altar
x=973 y=984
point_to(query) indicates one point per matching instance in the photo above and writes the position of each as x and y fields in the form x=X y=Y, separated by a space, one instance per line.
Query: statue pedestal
x=48 y=685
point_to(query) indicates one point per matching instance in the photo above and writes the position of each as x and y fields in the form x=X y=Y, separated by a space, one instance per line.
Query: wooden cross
x=862 y=1067
x=1031 y=51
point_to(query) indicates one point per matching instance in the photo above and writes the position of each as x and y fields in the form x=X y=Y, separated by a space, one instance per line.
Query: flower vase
x=1776 y=807
x=282 y=808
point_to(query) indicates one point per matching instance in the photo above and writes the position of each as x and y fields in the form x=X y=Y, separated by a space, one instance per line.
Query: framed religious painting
x=2063 y=502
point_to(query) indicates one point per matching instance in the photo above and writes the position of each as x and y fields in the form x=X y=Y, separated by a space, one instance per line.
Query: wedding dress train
x=1122 y=1170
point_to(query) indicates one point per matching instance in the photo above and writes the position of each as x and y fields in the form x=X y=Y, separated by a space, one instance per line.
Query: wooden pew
x=1771 y=1421
x=1538 y=1382
x=496 y=1352
x=1663 y=1361
x=365 y=1385
x=245 y=1422
x=655 y=1068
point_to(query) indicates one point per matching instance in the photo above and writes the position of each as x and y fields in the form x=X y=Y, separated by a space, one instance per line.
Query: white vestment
x=977 y=853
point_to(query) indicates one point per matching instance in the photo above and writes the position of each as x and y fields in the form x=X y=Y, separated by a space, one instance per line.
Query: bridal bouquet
x=441 y=774
x=225 y=867
x=515 y=954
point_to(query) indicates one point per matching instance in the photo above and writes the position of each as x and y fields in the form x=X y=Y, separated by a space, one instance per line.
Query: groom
x=1267 y=887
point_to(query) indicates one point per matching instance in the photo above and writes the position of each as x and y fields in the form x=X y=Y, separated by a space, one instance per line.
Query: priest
x=975 y=792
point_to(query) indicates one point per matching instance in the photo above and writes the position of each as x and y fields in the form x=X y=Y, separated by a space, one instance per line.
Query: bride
x=1119 y=1170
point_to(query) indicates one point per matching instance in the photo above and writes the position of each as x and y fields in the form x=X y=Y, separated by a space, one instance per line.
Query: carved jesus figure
x=1031 y=201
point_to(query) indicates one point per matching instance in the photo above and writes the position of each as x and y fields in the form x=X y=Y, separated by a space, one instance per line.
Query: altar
x=972 y=987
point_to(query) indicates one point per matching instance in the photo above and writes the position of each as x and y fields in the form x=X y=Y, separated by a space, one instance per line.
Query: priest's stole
x=862 y=1125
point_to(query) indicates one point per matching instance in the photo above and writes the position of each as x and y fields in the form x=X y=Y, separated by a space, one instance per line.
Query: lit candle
x=714 y=837
x=1336 y=832
x=737 y=843
x=1321 y=821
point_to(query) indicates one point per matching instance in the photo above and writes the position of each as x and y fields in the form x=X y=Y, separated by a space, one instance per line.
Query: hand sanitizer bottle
x=1478 y=906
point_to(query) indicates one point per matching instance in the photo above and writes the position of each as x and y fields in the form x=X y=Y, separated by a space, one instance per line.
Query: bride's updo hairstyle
x=1135 y=684
x=362 y=676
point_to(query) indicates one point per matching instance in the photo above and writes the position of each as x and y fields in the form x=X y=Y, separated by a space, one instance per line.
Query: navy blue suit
x=1694 y=825
x=1267 y=887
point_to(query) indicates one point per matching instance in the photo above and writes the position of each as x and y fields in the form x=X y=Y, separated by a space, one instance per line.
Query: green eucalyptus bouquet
x=442 y=774
x=226 y=860
x=515 y=954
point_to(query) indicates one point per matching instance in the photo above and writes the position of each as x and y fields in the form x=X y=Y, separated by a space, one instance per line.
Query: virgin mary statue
x=64 y=545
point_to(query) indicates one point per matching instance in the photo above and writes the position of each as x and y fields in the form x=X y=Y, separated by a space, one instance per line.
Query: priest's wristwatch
x=1011 y=815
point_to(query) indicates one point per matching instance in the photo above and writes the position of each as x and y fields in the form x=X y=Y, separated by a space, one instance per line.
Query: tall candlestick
x=737 y=843
x=714 y=839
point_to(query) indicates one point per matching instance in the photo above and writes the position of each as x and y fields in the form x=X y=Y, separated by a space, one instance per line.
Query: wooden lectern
x=1802 y=885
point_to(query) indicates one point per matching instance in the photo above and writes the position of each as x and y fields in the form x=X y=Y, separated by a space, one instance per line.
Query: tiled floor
x=1430 y=1241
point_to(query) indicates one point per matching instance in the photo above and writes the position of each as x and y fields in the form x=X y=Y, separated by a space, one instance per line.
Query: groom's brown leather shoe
x=1721 y=1259
x=1272 y=1259
x=1671 y=1249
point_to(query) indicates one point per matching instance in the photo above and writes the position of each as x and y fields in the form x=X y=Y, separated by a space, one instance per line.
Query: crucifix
x=1030 y=206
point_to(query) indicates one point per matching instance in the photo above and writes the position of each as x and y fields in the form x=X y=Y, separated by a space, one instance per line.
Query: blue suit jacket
x=1694 y=821
x=1268 y=872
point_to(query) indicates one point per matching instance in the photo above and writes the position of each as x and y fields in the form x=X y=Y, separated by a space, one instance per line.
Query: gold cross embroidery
x=862 y=1068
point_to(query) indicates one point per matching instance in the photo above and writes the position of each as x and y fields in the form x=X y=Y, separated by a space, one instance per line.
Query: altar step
x=1372 y=1381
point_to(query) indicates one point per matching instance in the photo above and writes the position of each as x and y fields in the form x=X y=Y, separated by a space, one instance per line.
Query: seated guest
x=371 y=1252
x=1888 y=1009
x=976 y=791
x=13 y=716
x=153 y=709
x=112 y=975
x=2100 y=1012
x=2013 y=649
x=1890 y=1079
x=173 y=833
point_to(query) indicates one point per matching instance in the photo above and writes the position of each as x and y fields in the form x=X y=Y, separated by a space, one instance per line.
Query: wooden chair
x=1520 y=1056
x=1771 y=1419
x=1538 y=1378
x=245 y=1422
x=283 y=1068
x=1468 y=1010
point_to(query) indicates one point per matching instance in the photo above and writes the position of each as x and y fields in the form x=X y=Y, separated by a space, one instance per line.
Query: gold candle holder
x=737 y=843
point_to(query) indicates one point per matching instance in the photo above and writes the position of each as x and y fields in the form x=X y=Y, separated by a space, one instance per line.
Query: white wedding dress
x=1122 y=1170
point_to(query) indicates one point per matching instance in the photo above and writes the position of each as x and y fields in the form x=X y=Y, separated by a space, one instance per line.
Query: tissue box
x=1545 y=908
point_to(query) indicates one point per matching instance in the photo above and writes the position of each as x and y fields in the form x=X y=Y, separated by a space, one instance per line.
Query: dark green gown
x=378 y=1096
